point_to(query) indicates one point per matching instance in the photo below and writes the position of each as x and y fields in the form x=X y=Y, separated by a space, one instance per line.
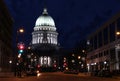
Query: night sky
x=74 y=19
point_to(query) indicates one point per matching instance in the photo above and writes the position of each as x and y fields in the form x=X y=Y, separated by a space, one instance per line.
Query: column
x=116 y=55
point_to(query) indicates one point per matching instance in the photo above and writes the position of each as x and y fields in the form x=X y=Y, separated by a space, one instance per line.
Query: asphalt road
x=58 y=77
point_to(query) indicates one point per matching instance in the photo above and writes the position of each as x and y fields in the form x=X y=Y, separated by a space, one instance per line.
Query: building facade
x=44 y=40
x=6 y=24
x=104 y=47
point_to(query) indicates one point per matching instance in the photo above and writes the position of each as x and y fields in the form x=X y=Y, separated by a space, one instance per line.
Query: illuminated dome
x=45 y=20
x=44 y=31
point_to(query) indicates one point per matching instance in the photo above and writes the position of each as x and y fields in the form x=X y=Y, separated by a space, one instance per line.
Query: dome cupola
x=45 y=20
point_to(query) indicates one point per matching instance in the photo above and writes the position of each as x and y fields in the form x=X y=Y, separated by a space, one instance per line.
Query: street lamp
x=19 y=31
x=83 y=51
x=73 y=61
x=73 y=55
x=117 y=48
x=79 y=57
x=29 y=47
x=117 y=33
x=10 y=61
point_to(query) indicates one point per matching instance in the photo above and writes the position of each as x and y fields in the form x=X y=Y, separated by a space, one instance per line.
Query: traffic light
x=21 y=47
x=55 y=65
x=38 y=66
x=20 y=51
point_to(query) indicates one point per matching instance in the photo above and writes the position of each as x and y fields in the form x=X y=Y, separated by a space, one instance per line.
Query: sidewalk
x=84 y=74
x=6 y=74
x=116 y=77
x=88 y=74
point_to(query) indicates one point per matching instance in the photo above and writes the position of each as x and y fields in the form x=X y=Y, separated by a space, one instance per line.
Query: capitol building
x=44 y=31
x=44 y=40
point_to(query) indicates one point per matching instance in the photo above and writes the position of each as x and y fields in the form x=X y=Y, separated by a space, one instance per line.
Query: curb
x=6 y=75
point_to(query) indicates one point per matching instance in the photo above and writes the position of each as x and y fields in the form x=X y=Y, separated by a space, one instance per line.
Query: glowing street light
x=73 y=61
x=19 y=55
x=105 y=62
x=10 y=61
x=21 y=30
x=29 y=48
x=66 y=68
x=117 y=33
x=79 y=57
x=83 y=51
x=73 y=55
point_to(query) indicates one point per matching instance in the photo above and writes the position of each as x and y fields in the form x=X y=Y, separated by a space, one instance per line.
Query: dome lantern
x=45 y=11
x=45 y=20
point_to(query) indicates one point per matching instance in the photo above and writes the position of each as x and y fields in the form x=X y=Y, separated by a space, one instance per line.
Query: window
x=112 y=32
x=48 y=34
x=105 y=35
x=45 y=61
x=95 y=42
x=48 y=38
x=118 y=24
x=100 y=54
x=100 y=39
x=112 y=54
x=119 y=54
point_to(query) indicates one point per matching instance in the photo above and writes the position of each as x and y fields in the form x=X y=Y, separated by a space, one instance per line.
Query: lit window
x=48 y=39
x=49 y=61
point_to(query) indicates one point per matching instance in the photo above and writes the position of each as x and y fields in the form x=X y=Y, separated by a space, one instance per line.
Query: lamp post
x=19 y=31
x=117 y=49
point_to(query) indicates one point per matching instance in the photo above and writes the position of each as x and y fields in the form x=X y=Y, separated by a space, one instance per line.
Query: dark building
x=104 y=46
x=6 y=23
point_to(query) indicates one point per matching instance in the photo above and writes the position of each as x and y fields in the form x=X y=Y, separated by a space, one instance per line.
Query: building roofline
x=105 y=24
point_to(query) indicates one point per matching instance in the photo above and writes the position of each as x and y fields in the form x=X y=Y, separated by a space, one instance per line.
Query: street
x=58 y=76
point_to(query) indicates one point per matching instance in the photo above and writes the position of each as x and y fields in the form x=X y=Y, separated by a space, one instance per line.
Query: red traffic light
x=21 y=46
x=55 y=65
x=38 y=66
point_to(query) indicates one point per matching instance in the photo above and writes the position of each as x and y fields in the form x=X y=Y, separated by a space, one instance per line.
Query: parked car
x=95 y=73
x=104 y=73
x=31 y=71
